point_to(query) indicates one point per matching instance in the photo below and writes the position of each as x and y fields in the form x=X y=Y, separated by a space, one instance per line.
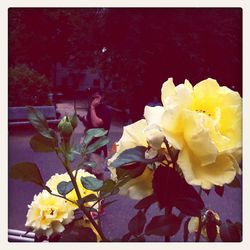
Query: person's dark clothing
x=103 y=112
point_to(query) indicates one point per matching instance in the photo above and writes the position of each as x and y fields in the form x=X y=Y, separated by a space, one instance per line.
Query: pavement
x=115 y=219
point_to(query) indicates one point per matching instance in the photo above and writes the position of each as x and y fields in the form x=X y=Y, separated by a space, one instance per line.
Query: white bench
x=18 y=116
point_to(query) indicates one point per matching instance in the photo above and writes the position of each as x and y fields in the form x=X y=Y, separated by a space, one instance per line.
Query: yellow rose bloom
x=47 y=214
x=138 y=134
x=204 y=123
x=57 y=178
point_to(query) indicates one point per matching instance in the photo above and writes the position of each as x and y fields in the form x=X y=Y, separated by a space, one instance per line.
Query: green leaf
x=235 y=183
x=126 y=237
x=91 y=183
x=163 y=225
x=132 y=171
x=27 y=171
x=93 y=133
x=90 y=164
x=97 y=144
x=184 y=197
x=229 y=232
x=77 y=234
x=65 y=187
x=88 y=198
x=132 y=155
x=189 y=205
x=108 y=186
x=137 y=223
x=146 y=202
x=43 y=144
x=38 y=121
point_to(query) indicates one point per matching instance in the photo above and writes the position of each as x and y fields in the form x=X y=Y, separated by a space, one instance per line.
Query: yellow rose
x=47 y=214
x=204 y=123
x=57 y=178
x=138 y=134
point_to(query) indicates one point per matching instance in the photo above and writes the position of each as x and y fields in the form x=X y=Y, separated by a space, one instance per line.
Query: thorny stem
x=60 y=196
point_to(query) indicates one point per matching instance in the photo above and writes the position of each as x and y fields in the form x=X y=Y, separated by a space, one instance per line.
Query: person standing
x=98 y=116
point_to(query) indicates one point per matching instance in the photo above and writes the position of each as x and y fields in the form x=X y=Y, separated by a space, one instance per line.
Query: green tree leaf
x=38 y=121
x=40 y=143
x=93 y=133
x=163 y=225
x=64 y=187
x=136 y=154
x=91 y=183
x=137 y=223
x=97 y=144
x=28 y=172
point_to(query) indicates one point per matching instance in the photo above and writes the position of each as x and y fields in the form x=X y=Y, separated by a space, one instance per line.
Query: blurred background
x=129 y=52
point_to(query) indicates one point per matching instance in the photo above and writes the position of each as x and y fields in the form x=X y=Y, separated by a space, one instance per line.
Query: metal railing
x=20 y=236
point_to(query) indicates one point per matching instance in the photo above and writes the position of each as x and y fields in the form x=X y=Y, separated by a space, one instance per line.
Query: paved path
x=116 y=216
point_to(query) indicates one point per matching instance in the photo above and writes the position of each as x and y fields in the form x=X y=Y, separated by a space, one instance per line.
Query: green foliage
x=75 y=232
x=181 y=195
x=91 y=183
x=90 y=164
x=137 y=223
x=64 y=187
x=27 y=87
x=230 y=232
x=28 y=172
x=93 y=133
x=108 y=186
x=146 y=202
x=136 y=154
x=43 y=144
x=163 y=225
x=102 y=141
x=39 y=122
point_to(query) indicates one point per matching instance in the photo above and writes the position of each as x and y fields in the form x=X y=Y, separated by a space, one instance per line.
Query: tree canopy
x=143 y=46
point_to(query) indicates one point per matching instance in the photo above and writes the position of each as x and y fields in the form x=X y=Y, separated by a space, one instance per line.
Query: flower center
x=203 y=111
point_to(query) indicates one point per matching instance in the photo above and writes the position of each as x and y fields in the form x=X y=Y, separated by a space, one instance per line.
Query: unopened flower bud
x=65 y=127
